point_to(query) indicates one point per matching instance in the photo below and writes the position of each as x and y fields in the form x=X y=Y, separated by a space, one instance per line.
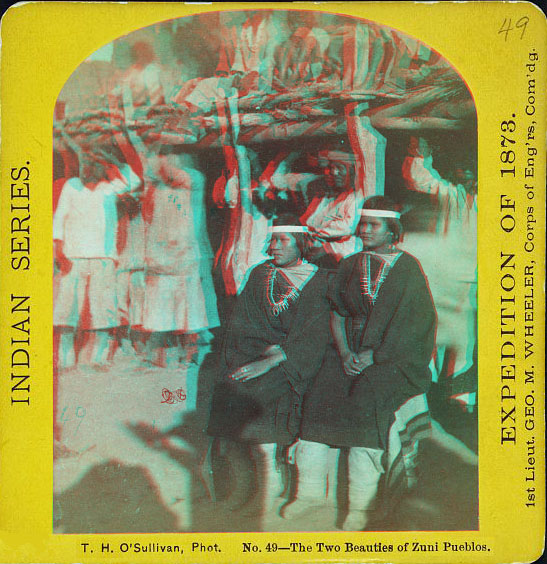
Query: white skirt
x=181 y=302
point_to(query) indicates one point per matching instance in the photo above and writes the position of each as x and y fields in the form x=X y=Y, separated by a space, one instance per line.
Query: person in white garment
x=180 y=301
x=350 y=177
x=246 y=232
x=85 y=227
x=130 y=285
x=448 y=254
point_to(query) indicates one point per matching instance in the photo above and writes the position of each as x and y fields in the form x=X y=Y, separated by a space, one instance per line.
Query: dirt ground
x=127 y=460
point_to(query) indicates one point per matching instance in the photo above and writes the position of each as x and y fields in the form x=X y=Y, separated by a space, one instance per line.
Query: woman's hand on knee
x=251 y=370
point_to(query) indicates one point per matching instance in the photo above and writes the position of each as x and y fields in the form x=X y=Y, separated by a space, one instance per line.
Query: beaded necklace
x=286 y=299
x=371 y=287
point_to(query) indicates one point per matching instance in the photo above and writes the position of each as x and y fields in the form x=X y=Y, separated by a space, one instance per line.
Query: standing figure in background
x=246 y=234
x=248 y=44
x=141 y=84
x=130 y=287
x=301 y=57
x=332 y=214
x=274 y=346
x=449 y=258
x=85 y=227
x=180 y=301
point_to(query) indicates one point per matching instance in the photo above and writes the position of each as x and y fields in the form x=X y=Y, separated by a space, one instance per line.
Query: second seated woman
x=383 y=323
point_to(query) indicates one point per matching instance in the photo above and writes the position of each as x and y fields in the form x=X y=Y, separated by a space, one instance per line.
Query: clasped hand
x=355 y=363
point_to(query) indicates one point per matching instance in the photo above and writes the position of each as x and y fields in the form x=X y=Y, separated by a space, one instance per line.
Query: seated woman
x=273 y=349
x=383 y=323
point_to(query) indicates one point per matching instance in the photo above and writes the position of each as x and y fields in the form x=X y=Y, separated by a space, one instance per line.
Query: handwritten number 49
x=521 y=24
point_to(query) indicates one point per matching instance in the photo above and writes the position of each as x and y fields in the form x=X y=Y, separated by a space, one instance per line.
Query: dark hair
x=393 y=224
x=92 y=171
x=143 y=52
x=302 y=239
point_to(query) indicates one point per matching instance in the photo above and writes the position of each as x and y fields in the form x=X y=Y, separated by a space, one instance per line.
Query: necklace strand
x=366 y=289
x=284 y=302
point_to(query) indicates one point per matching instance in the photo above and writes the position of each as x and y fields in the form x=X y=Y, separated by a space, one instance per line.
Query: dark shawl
x=400 y=329
x=267 y=409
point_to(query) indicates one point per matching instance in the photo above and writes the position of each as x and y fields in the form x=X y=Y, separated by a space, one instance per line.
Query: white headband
x=380 y=213
x=289 y=229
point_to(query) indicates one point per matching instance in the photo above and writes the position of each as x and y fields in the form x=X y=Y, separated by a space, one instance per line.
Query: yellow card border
x=42 y=43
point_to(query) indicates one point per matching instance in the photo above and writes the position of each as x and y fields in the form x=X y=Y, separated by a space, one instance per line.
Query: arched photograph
x=265 y=280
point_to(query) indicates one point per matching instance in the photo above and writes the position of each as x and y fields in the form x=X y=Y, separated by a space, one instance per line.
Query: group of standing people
x=133 y=260
x=143 y=217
